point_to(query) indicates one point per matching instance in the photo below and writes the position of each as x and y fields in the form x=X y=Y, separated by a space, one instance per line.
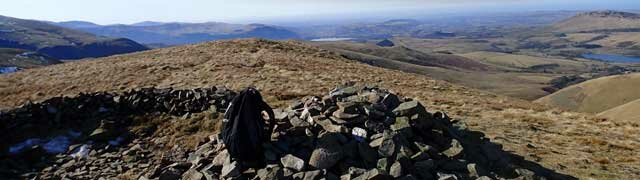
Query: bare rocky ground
x=568 y=143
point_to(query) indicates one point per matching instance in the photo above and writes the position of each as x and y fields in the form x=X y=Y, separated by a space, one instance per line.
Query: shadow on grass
x=482 y=151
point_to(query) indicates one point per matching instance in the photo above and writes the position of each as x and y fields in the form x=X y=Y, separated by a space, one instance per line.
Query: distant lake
x=331 y=39
x=4 y=70
x=612 y=58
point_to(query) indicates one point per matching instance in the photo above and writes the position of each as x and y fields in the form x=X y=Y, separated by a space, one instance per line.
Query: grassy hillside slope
x=523 y=85
x=38 y=34
x=599 y=21
x=517 y=62
x=407 y=55
x=629 y=112
x=514 y=75
x=596 y=95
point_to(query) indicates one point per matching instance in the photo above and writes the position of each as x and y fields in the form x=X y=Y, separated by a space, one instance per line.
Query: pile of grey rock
x=357 y=133
x=99 y=162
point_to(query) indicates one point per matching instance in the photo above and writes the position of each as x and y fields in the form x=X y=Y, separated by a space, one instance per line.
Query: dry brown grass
x=517 y=61
x=615 y=39
x=514 y=81
x=628 y=112
x=285 y=70
x=187 y=131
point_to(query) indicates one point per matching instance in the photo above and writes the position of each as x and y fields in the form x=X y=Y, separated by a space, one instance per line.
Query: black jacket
x=244 y=127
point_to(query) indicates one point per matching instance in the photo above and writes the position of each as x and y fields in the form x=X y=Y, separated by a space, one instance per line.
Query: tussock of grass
x=186 y=131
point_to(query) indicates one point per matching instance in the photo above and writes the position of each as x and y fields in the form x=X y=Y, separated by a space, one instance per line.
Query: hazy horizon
x=273 y=11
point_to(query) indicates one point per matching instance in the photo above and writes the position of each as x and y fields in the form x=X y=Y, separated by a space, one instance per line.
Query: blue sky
x=130 y=11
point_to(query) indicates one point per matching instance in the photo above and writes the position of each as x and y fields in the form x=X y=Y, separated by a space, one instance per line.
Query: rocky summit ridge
x=354 y=132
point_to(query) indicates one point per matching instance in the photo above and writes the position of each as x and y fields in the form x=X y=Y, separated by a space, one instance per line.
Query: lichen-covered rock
x=374 y=174
x=193 y=174
x=323 y=158
x=455 y=149
x=444 y=176
x=388 y=146
x=396 y=170
x=313 y=175
x=292 y=162
x=409 y=108
x=231 y=170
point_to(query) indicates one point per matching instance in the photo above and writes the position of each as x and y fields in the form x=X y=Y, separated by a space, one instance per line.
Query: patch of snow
x=59 y=144
x=4 y=70
x=81 y=152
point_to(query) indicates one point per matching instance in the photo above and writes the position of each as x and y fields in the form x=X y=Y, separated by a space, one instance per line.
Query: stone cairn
x=357 y=133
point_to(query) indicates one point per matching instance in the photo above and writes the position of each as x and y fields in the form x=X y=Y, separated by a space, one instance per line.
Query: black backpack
x=243 y=126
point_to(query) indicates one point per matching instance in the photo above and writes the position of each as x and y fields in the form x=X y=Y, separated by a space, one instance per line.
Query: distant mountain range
x=150 y=32
x=58 y=42
x=474 y=26
x=162 y=34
